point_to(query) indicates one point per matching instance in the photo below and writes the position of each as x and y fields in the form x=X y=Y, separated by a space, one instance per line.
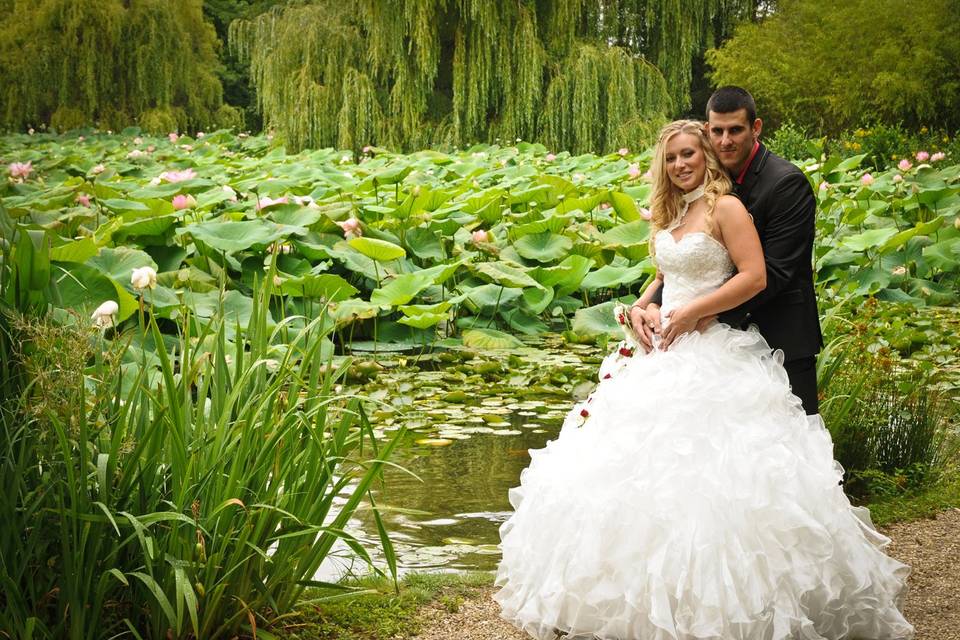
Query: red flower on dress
x=584 y=413
x=626 y=351
x=607 y=376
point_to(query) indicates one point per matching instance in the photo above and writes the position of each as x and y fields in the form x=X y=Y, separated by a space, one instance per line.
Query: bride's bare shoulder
x=730 y=208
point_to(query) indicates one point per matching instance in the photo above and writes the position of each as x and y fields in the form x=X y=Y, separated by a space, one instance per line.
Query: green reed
x=191 y=488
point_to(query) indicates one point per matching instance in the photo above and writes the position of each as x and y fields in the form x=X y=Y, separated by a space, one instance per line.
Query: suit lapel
x=745 y=190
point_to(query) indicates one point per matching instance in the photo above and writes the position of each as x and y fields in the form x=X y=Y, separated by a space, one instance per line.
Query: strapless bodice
x=692 y=267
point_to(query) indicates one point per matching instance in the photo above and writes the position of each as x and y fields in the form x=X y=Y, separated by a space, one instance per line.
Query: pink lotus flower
x=178 y=176
x=824 y=185
x=98 y=169
x=633 y=171
x=922 y=156
x=172 y=137
x=200 y=134
x=898 y=178
x=83 y=199
x=604 y=205
x=479 y=236
x=866 y=180
x=181 y=202
x=265 y=202
x=187 y=147
x=21 y=170
x=138 y=141
x=905 y=165
x=550 y=157
x=367 y=148
x=350 y=225
x=645 y=213
x=648 y=175
x=938 y=156
x=351 y=228
x=623 y=151
x=151 y=148
x=136 y=154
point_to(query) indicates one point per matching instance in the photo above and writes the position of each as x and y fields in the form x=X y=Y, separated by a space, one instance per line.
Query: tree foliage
x=109 y=62
x=829 y=65
x=577 y=74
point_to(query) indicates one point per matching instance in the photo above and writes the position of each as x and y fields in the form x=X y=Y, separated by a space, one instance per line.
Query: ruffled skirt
x=689 y=498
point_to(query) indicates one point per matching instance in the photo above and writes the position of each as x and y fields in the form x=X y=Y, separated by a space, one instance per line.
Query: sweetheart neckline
x=693 y=233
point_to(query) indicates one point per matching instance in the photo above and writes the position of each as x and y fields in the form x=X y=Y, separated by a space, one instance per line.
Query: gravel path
x=931 y=547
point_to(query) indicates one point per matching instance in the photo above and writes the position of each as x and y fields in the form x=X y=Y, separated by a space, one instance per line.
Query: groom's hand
x=705 y=322
x=682 y=320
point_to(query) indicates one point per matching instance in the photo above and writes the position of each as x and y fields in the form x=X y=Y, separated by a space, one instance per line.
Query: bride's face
x=686 y=164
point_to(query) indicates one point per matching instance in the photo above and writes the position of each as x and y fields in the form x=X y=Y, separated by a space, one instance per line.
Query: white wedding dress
x=690 y=498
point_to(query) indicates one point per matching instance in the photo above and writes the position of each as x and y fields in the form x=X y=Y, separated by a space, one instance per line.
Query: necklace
x=688 y=199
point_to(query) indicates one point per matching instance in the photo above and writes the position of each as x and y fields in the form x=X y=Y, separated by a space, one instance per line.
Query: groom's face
x=732 y=136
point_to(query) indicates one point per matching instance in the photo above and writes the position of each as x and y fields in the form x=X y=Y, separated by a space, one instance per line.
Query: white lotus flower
x=103 y=316
x=143 y=278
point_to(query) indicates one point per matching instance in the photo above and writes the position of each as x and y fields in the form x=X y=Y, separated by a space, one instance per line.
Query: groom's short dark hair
x=729 y=99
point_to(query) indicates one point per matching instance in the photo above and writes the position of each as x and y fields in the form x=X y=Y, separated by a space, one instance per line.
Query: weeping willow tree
x=576 y=74
x=109 y=62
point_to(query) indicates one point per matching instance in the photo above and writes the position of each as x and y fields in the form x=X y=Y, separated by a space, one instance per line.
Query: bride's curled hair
x=666 y=202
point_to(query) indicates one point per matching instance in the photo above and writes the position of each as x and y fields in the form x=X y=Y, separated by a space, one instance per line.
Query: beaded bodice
x=693 y=266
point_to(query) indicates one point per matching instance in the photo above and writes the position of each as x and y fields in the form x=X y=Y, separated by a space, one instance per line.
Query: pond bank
x=930 y=546
x=460 y=606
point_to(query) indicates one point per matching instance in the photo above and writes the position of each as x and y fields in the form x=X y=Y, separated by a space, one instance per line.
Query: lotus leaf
x=401 y=289
x=379 y=250
x=479 y=338
x=543 y=247
x=508 y=275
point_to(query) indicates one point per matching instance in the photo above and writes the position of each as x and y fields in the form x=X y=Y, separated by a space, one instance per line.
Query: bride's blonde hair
x=666 y=202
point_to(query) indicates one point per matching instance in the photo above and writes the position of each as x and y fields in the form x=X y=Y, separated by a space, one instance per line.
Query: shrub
x=228 y=117
x=889 y=418
x=891 y=70
x=66 y=118
x=791 y=141
x=162 y=121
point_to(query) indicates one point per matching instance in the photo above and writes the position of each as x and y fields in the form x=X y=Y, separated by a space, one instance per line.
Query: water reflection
x=448 y=519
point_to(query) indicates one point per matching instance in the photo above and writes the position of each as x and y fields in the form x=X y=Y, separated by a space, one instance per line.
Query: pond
x=471 y=419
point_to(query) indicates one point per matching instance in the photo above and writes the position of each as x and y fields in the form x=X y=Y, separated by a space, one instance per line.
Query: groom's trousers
x=802 y=373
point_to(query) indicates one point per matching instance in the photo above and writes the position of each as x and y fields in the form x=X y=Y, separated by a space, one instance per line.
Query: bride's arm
x=649 y=292
x=743 y=244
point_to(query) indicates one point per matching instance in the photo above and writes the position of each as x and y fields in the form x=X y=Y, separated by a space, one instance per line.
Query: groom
x=781 y=201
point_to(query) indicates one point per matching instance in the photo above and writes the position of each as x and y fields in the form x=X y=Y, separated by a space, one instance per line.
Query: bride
x=690 y=497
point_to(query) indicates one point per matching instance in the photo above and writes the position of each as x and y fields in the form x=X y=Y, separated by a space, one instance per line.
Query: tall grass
x=187 y=488
x=889 y=419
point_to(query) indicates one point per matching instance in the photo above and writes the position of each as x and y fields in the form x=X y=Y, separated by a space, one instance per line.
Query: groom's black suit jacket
x=779 y=197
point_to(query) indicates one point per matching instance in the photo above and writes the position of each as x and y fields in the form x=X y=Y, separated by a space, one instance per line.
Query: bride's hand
x=682 y=320
x=646 y=323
